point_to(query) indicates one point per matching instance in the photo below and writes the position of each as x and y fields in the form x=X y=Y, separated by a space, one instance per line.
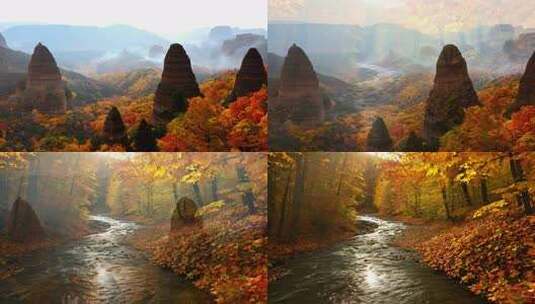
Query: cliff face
x=251 y=76
x=178 y=83
x=299 y=91
x=526 y=90
x=452 y=92
x=45 y=90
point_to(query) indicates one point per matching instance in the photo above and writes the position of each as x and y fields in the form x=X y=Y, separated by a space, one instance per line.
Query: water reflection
x=100 y=268
x=366 y=269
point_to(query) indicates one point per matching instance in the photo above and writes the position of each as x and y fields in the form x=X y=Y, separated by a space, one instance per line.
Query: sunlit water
x=366 y=269
x=100 y=268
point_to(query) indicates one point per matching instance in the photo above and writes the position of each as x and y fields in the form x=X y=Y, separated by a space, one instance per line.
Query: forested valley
x=414 y=227
x=133 y=227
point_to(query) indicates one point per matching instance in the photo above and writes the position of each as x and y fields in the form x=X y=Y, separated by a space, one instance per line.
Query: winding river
x=366 y=269
x=100 y=268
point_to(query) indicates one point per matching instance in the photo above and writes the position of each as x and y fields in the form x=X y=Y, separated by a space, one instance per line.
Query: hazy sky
x=160 y=16
x=425 y=15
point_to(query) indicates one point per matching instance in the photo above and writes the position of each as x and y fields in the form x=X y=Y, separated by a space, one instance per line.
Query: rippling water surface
x=100 y=268
x=366 y=269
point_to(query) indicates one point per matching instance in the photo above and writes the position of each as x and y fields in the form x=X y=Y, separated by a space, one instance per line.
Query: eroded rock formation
x=45 y=90
x=114 y=132
x=144 y=139
x=379 y=138
x=178 y=83
x=23 y=224
x=526 y=90
x=452 y=92
x=299 y=92
x=184 y=213
x=251 y=76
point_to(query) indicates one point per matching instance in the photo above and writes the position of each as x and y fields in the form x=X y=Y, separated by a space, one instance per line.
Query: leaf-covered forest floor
x=493 y=256
x=225 y=254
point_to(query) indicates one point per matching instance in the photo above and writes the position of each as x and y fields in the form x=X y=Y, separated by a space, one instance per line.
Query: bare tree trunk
x=523 y=198
x=466 y=193
x=484 y=191
x=445 y=202
x=198 y=196
x=284 y=204
x=214 y=185
x=299 y=192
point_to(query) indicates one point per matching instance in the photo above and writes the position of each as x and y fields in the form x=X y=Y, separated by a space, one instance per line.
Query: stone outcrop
x=452 y=92
x=184 y=213
x=114 y=132
x=177 y=85
x=251 y=76
x=3 y=42
x=144 y=139
x=23 y=224
x=526 y=90
x=45 y=90
x=379 y=138
x=299 y=92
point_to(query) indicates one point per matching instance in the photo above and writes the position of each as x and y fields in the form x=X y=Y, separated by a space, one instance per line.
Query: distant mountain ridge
x=69 y=38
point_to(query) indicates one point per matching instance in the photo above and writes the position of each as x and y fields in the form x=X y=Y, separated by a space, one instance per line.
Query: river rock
x=251 y=76
x=452 y=92
x=177 y=85
x=299 y=92
x=184 y=213
x=378 y=138
x=526 y=90
x=114 y=131
x=45 y=90
x=23 y=224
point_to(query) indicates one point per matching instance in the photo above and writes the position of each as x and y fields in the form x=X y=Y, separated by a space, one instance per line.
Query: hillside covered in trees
x=370 y=223
x=104 y=226
x=179 y=108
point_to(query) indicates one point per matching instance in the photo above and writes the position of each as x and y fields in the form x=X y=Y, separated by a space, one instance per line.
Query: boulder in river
x=23 y=224
x=184 y=213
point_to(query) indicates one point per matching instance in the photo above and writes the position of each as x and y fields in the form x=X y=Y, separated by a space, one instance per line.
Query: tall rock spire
x=299 y=91
x=526 y=90
x=251 y=76
x=45 y=90
x=452 y=92
x=178 y=83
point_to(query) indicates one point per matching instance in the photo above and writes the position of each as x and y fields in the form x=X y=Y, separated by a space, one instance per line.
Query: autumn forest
x=267 y=151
